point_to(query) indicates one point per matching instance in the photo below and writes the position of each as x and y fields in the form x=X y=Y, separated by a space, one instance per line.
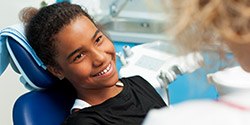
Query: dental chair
x=49 y=100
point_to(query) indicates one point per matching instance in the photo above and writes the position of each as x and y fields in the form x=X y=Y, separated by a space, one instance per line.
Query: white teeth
x=104 y=71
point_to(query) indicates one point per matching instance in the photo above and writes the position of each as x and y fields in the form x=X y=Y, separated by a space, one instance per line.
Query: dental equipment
x=230 y=80
x=158 y=63
x=116 y=7
x=127 y=51
x=165 y=78
x=122 y=58
x=191 y=62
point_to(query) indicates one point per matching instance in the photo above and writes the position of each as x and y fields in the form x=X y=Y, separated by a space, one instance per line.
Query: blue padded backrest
x=44 y=107
x=34 y=74
x=50 y=100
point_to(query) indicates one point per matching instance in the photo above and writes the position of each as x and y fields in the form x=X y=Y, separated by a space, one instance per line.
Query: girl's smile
x=104 y=72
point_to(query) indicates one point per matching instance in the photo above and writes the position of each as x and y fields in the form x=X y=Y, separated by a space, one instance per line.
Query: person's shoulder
x=135 y=78
x=137 y=81
x=79 y=118
x=70 y=120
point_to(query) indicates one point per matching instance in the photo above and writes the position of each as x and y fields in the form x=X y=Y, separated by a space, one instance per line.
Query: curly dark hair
x=42 y=25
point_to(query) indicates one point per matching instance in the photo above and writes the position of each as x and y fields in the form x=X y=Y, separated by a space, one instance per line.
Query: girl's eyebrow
x=78 y=49
x=74 y=52
x=96 y=32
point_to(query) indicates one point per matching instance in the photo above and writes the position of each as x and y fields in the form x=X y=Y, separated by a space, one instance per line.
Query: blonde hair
x=199 y=23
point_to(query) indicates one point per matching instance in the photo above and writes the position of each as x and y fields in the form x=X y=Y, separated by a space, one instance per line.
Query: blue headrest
x=33 y=73
x=30 y=71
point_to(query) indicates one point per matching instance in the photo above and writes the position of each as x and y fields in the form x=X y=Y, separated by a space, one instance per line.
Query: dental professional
x=203 y=24
x=72 y=46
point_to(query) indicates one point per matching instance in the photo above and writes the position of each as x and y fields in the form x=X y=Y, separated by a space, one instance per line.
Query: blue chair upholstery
x=46 y=106
x=29 y=68
x=42 y=107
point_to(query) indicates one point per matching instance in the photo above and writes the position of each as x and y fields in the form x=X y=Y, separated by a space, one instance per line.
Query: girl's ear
x=56 y=72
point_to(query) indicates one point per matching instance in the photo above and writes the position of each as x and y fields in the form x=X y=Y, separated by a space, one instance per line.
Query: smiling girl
x=72 y=46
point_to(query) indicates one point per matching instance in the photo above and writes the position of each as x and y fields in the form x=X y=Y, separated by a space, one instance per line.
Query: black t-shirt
x=129 y=107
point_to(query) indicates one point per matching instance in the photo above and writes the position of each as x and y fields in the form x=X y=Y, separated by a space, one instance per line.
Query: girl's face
x=85 y=55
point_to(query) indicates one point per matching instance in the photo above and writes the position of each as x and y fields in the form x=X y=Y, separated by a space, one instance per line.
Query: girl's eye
x=78 y=57
x=98 y=39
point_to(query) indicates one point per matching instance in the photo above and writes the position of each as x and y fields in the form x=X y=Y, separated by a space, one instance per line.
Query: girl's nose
x=98 y=57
